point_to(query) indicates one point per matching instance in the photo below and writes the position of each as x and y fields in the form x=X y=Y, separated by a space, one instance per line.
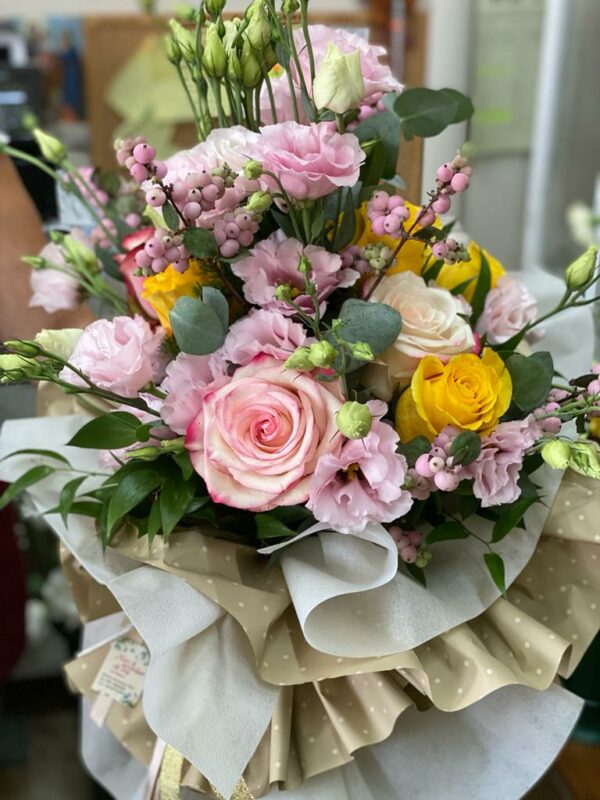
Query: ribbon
x=241 y=792
x=169 y=779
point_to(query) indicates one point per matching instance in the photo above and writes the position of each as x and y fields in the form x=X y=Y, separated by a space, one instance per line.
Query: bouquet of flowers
x=322 y=431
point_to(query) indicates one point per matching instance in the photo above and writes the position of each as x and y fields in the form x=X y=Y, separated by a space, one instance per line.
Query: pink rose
x=508 y=308
x=186 y=376
x=362 y=484
x=377 y=77
x=275 y=261
x=133 y=244
x=261 y=332
x=310 y=161
x=496 y=470
x=121 y=355
x=260 y=434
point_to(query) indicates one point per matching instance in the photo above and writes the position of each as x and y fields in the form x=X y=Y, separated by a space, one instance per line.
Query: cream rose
x=431 y=326
x=259 y=435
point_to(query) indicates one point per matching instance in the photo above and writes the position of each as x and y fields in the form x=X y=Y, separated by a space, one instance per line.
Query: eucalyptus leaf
x=531 y=378
x=465 y=448
x=197 y=327
x=424 y=112
x=414 y=448
x=463 y=105
x=217 y=301
x=377 y=324
x=386 y=128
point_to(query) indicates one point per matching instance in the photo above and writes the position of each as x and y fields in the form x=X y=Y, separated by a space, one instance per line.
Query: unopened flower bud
x=259 y=31
x=322 y=354
x=290 y=6
x=173 y=50
x=51 y=148
x=556 y=454
x=283 y=292
x=23 y=347
x=259 y=202
x=214 y=7
x=234 y=66
x=214 y=58
x=185 y=11
x=19 y=368
x=253 y=169
x=35 y=262
x=79 y=254
x=354 y=419
x=60 y=343
x=581 y=270
x=185 y=39
x=304 y=266
x=251 y=71
x=300 y=360
x=362 y=351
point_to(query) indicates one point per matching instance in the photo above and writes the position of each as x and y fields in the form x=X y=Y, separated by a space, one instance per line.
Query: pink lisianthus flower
x=377 y=77
x=495 y=472
x=508 y=308
x=260 y=434
x=261 y=332
x=275 y=261
x=222 y=146
x=186 y=376
x=309 y=161
x=94 y=195
x=56 y=289
x=121 y=355
x=362 y=484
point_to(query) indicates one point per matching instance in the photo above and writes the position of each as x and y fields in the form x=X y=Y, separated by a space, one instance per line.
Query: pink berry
x=379 y=201
x=444 y=173
x=426 y=218
x=243 y=221
x=442 y=204
x=192 y=210
x=552 y=425
x=210 y=193
x=230 y=248
x=436 y=464
x=220 y=235
x=155 y=248
x=122 y=156
x=415 y=538
x=133 y=220
x=422 y=466
x=156 y=197
x=401 y=212
x=179 y=192
x=392 y=223
x=460 y=182
x=440 y=250
x=245 y=238
x=395 y=202
x=377 y=226
x=142 y=259
x=232 y=230
x=172 y=254
x=129 y=161
x=160 y=169
x=409 y=554
x=199 y=179
x=181 y=265
x=139 y=173
x=446 y=481
x=159 y=264
x=144 y=153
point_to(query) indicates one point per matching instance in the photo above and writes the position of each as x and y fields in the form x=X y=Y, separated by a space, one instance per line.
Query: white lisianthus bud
x=556 y=453
x=79 y=254
x=339 y=84
x=51 y=148
x=18 y=368
x=354 y=419
x=185 y=39
x=60 y=343
x=581 y=270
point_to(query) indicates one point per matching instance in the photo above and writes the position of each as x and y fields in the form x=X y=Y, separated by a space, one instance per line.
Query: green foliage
x=170 y=216
x=385 y=128
x=29 y=478
x=376 y=324
x=200 y=242
x=35 y=452
x=512 y=517
x=531 y=378
x=447 y=531
x=482 y=288
x=132 y=488
x=465 y=448
x=67 y=496
x=108 y=432
x=268 y=526
x=346 y=228
x=495 y=566
x=427 y=112
x=199 y=326
x=175 y=496
x=414 y=448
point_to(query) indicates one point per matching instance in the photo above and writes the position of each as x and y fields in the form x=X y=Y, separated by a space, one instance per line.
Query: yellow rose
x=165 y=288
x=468 y=392
x=412 y=254
x=452 y=275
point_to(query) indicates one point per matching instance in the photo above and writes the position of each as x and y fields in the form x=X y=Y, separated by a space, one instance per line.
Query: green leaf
x=463 y=105
x=417 y=573
x=465 y=448
x=424 y=112
x=200 y=242
x=432 y=272
x=170 y=216
x=531 y=378
x=447 y=531
x=134 y=487
x=468 y=505
x=29 y=478
x=86 y=508
x=175 y=496
x=374 y=164
x=482 y=288
x=35 y=452
x=269 y=526
x=109 y=265
x=67 y=496
x=460 y=288
x=414 y=448
x=184 y=463
x=197 y=327
x=511 y=517
x=495 y=566
x=110 y=431
x=347 y=227
x=385 y=127
x=377 y=324
x=154 y=521
x=216 y=300
x=283 y=221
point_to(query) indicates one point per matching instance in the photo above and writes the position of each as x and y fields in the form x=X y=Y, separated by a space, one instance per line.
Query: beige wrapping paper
x=328 y=706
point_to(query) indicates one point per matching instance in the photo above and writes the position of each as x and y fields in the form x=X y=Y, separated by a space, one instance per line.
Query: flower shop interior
x=90 y=72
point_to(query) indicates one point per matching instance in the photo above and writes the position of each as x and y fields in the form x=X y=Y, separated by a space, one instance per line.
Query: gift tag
x=121 y=676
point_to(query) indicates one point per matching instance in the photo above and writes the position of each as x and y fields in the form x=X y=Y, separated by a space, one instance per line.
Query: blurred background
x=92 y=70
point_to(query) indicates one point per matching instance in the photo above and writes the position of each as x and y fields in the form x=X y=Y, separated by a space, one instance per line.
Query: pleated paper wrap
x=330 y=706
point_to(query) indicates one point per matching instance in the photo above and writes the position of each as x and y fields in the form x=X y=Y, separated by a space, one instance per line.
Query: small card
x=121 y=676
